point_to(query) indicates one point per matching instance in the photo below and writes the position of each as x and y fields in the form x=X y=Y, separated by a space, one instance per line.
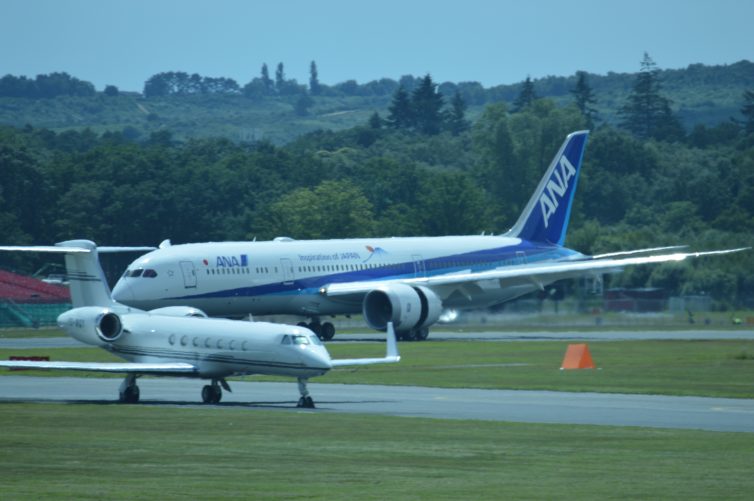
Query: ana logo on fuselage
x=228 y=261
x=556 y=187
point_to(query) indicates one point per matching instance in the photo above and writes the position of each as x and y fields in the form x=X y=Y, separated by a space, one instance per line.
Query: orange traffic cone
x=577 y=357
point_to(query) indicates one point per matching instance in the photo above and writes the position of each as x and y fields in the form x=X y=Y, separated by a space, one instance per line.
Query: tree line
x=45 y=86
x=367 y=181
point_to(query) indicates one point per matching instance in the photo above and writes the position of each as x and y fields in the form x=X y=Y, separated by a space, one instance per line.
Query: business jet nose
x=122 y=291
x=319 y=358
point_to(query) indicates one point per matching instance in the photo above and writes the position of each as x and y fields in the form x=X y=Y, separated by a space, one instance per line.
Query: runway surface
x=715 y=414
x=607 y=335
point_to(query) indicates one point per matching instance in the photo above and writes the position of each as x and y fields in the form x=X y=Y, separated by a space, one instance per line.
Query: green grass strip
x=54 y=451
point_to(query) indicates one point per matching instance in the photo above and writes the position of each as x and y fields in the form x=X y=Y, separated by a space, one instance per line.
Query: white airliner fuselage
x=406 y=281
x=293 y=277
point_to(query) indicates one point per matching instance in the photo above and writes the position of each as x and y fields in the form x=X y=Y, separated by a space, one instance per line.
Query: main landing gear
x=305 y=401
x=413 y=334
x=212 y=394
x=324 y=331
x=129 y=392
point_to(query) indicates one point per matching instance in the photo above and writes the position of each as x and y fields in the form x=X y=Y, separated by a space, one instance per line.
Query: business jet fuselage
x=179 y=340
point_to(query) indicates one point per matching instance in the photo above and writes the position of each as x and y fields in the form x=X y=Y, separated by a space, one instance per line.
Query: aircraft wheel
x=130 y=395
x=328 y=331
x=316 y=328
x=410 y=335
x=422 y=334
x=305 y=403
x=207 y=394
x=217 y=394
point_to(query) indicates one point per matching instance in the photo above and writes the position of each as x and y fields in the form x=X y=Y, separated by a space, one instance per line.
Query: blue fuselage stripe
x=480 y=260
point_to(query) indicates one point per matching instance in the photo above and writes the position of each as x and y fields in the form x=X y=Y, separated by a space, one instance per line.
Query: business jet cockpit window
x=149 y=273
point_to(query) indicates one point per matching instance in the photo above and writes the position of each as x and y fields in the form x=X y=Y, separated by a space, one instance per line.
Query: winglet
x=392 y=343
x=545 y=217
x=391 y=356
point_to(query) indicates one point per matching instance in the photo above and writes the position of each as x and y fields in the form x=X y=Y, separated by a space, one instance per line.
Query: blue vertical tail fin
x=545 y=217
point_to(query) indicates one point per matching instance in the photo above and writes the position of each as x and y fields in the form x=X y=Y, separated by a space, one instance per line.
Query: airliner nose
x=122 y=291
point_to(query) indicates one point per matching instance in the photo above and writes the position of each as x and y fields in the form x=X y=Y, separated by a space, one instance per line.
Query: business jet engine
x=411 y=309
x=93 y=325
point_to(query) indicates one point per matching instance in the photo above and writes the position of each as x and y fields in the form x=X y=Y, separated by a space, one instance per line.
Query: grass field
x=82 y=451
x=53 y=451
x=722 y=368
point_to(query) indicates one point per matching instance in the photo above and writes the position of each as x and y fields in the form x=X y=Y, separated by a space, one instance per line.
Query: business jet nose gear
x=306 y=401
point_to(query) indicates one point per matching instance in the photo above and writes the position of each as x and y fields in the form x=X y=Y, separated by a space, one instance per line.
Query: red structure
x=23 y=289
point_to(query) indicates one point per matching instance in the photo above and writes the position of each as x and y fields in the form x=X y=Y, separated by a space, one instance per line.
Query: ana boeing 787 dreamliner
x=180 y=340
x=406 y=281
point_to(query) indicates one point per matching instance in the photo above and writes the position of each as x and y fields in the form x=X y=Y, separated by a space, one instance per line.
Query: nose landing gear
x=305 y=402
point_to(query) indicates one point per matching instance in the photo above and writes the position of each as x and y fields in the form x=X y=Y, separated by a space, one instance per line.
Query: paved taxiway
x=607 y=335
x=715 y=414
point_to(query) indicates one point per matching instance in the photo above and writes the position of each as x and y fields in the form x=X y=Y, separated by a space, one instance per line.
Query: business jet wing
x=112 y=367
x=552 y=270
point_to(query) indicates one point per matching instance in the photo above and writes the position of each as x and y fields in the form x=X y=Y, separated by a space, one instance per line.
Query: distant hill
x=701 y=95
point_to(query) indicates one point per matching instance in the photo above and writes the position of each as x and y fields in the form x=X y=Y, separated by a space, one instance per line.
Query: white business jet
x=180 y=340
x=407 y=281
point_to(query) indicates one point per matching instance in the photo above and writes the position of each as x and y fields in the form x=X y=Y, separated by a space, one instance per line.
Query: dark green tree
x=456 y=117
x=427 y=105
x=266 y=80
x=314 y=87
x=584 y=97
x=333 y=209
x=401 y=114
x=647 y=113
x=111 y=90
x=375 y=121
x=279 y=77
x=303 y=103
x=525 y=97
x=747 y=110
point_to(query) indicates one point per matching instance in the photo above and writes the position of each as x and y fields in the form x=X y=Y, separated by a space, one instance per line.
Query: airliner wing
x=114 y=367
x=552 y=270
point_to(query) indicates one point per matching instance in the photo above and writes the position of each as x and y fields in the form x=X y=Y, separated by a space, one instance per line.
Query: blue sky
x=494 y=42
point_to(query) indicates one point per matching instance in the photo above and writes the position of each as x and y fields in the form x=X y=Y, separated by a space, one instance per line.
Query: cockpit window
x=286 y=339
x=149 y=273
x=315 y=340
x=300 y=339
x=136 y=273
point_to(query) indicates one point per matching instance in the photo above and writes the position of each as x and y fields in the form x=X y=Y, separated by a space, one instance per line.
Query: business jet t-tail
x=180 y=340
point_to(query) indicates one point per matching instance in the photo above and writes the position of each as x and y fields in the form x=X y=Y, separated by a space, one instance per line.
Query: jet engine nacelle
x=178 y=311
x=93 y=325
x=407 y=307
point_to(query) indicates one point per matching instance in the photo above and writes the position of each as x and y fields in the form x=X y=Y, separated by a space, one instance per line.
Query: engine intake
x=407 y=307
x=109 y=327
